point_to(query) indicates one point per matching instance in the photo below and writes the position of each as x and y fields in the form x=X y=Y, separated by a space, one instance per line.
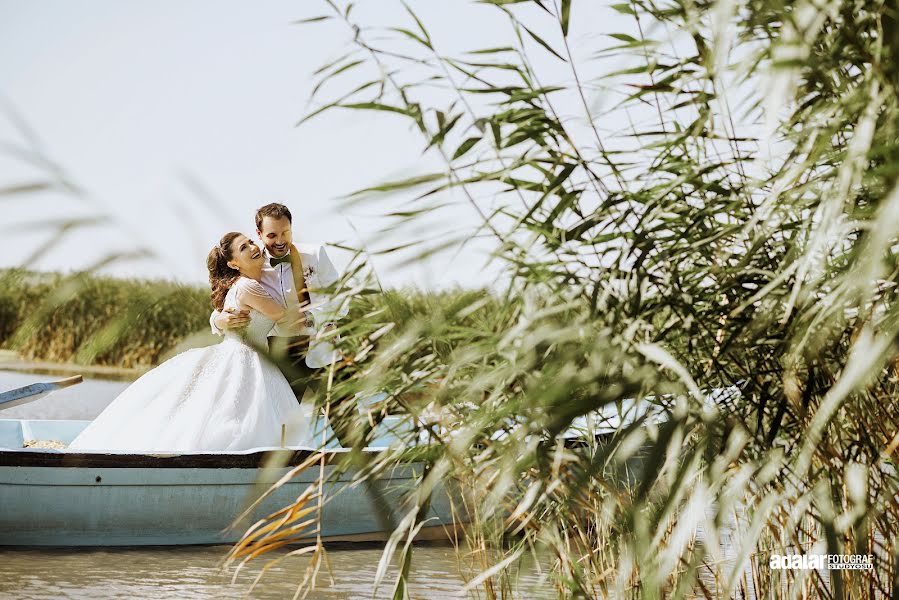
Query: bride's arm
x=253 y=295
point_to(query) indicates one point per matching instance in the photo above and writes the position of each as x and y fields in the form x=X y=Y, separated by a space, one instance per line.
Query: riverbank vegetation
x=91 y=319
x=96 y=320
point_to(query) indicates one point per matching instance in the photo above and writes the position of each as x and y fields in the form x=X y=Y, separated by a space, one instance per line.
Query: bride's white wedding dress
x=223 y=397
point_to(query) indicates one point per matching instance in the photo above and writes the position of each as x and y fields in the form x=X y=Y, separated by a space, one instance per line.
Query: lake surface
x=81 y=402
x=195 y=572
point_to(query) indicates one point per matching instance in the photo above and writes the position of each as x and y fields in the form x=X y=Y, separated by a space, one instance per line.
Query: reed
x=729 y=222
x=92 y=319
x=96 y=320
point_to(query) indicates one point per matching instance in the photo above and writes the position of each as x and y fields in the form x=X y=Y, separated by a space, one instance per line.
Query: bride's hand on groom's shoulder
x=232 y=318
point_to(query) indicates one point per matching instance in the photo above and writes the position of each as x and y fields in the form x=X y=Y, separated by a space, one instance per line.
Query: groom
x=293 y=345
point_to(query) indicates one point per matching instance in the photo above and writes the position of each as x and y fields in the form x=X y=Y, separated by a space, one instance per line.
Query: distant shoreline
x=66 y=322
x=10 y=361
x=104 y=327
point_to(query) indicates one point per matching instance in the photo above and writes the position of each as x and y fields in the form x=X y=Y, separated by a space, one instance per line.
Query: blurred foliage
x=92 y=319
x=96 y=320
x=727 y=221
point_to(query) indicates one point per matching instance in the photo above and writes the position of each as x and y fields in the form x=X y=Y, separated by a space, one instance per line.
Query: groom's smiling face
x=276 y=235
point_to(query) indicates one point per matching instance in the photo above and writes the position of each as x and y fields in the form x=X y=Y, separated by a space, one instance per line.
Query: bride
x=223 y=397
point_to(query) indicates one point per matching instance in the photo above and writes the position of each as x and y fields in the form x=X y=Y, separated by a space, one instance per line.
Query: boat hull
x=60 y=499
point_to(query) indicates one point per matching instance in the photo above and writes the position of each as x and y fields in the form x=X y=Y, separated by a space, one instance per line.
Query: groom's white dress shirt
x=320 y=274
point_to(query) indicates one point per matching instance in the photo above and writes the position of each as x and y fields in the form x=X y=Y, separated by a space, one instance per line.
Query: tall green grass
x=730 y=219
x=92 y=319
x=96 y=320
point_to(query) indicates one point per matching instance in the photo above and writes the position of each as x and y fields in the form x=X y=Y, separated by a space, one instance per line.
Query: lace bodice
x=256 y=333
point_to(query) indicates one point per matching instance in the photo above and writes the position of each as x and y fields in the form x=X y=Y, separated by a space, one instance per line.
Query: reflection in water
x=195 y=572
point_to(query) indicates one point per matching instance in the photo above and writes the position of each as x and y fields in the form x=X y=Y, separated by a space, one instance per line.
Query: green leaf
x=346 y=67
x=421 y=27
x=376 y=106
x=503 y=66
x=333 y=74
x=553 y=185
x=494 y=90
x=543 y=43
x=566 y=14
x=645 y=68
x=623 y=37
x=493 y=50
x=624 y=8
x=25 y=188
x=507 y=2
x=312 y=20
x=445 y=127
x=355 y=106
x=334 y=62
x=413 y=36
x=401 y=184
x=406 y=214
x=466 y=146
x=526 y=95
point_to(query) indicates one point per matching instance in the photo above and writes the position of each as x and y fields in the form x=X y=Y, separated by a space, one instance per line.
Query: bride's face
x=245 y=254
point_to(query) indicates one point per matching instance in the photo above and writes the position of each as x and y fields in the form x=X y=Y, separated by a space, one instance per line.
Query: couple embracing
x=271 y=306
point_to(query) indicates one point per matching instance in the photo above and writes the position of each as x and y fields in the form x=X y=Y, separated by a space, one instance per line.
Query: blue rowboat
x=57 y=498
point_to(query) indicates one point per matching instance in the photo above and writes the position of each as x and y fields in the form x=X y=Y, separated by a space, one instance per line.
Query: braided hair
x=221 y=276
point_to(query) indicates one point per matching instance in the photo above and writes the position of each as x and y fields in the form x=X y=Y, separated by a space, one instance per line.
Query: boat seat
x=15 y=432
x=59 y=431
x=11 y=433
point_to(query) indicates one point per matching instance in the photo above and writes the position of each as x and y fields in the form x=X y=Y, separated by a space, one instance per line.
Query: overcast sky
x=178 y=120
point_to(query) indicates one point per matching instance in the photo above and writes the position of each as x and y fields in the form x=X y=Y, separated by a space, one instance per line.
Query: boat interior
x=53 y=436
x=45 y=435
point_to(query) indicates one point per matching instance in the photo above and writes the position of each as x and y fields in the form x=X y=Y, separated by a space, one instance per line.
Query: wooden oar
x=30 y=393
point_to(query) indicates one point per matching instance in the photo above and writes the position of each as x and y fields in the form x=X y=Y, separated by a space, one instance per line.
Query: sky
x=176 y=120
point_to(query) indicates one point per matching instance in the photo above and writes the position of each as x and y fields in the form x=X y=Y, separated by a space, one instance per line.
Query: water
x=195 y=571
x=80 y=402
